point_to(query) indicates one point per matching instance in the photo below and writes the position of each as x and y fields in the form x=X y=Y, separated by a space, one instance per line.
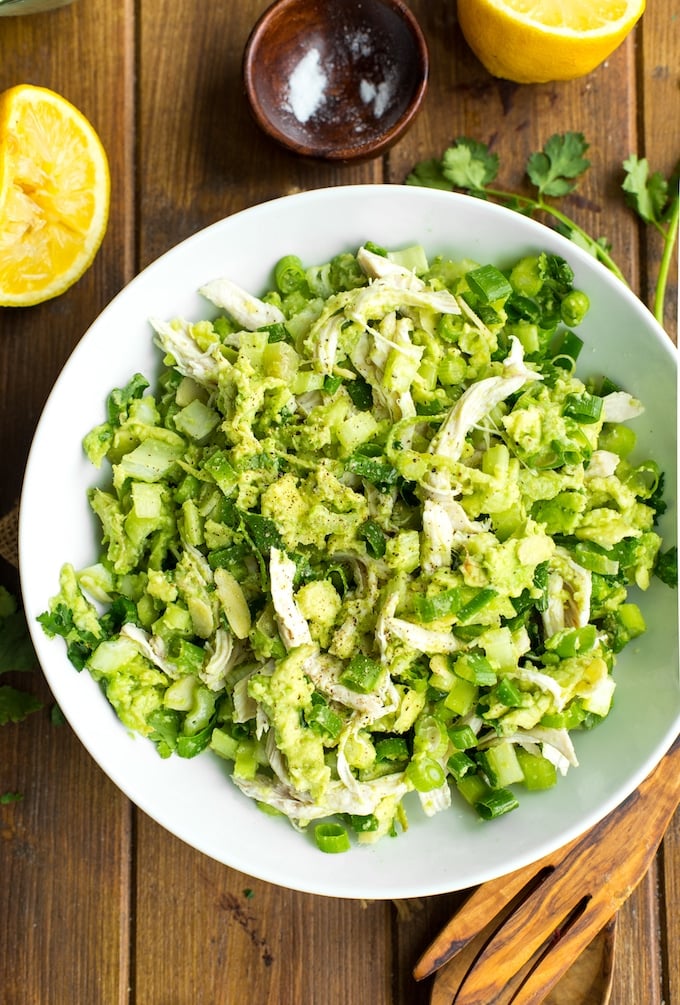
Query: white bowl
x=195 y=799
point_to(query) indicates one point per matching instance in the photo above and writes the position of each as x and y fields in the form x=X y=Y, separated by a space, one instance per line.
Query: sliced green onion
x=392 y=748
x=475 y=668
x=509 y=693
x=331 y=383
x=277 y=332
x=585 y=408
x=487 y=314
x=541 y=577
x=572 y=641
x=331 y=838
x=187 y=657
x=376 y=249
x=595 y=559
x=439 y=605
x=566 y=344
x=361 y=674
x=219 y=466
x=521 y=308
x=462 y=737
x=364 y=824
x=460 y=765
x=473 y=607
x=496 y=803
x=569 y=718
x=289 y=274
x=322 y=719
x=424 y=773
x=430 y=736
x=373 y=534
x=488 y=283
x=229 y=557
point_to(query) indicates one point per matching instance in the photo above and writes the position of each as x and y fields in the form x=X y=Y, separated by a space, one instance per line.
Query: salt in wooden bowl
x=336 y=81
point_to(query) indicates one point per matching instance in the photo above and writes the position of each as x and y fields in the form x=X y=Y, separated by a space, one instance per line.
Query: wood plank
x=415 y=924
x=659 y=111
x=637 y=973
x=201 y=155
x=202 y=158
x=65 y=848
x=64 y=869
x=243 y=935
x=78 y=52
x=669 y=896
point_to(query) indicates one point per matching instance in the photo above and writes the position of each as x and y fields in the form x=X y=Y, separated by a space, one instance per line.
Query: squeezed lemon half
x=54 y=195
x=535 y=41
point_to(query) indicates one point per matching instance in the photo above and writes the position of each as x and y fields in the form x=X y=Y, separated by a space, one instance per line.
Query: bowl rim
x=368 y=873
x=349 y=152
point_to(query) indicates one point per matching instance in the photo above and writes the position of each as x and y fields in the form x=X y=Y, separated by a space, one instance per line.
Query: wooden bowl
x=339 y=80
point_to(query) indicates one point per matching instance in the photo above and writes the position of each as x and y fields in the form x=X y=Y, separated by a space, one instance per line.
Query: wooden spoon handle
x=601 y=870
x=484 y=905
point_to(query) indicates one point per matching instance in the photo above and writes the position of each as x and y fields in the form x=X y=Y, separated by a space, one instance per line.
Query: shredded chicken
x=293 y=627
x=246 y=310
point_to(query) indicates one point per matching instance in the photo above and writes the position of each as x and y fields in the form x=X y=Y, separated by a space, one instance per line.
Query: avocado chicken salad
x=369 y=535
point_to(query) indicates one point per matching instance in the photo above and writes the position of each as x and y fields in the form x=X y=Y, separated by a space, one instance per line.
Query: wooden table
x=98 y=904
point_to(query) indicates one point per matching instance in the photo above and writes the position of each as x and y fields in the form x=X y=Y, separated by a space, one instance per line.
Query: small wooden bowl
x=336 y=79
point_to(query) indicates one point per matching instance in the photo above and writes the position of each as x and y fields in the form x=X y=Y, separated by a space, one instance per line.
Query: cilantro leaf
x=10 y=797
x=666 y=567
x=79 y=642
x=429 y=174
x=554 y=169
x=120 y=399
x=16 y=649
x=16 y=705
x=469 y=164
x=646 y=193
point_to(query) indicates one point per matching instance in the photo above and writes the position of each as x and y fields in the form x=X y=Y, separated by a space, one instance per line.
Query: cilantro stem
x=669 y=235
x=539 y=205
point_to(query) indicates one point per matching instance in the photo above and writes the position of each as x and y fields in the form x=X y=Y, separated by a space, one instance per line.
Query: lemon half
x=54 y=195
x=535 y=41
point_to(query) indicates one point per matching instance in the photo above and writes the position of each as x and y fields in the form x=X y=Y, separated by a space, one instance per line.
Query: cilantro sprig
x=555 y=172
x=656 y=200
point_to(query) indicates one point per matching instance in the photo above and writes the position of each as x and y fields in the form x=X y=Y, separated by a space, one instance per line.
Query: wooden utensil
x=515 y=937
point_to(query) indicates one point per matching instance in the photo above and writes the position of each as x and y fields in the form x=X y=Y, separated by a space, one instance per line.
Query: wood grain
x=99 y=905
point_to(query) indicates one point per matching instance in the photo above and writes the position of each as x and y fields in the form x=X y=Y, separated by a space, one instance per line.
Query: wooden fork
x=515 y=937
